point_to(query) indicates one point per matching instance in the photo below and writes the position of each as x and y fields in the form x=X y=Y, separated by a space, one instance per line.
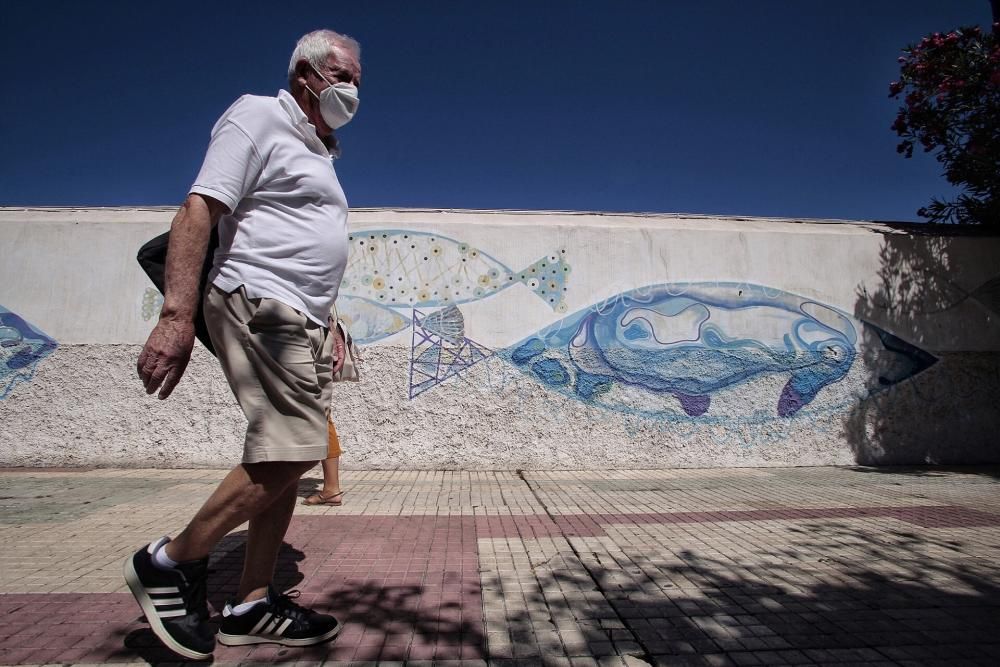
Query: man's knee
x=269 y=473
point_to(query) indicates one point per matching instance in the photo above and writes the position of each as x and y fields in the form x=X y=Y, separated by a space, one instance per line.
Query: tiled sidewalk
x=688 y=567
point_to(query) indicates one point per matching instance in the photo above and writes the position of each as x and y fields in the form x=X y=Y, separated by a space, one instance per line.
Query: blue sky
x=730 y=107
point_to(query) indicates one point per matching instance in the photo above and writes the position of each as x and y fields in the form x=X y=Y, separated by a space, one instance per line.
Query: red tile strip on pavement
x=406 y=587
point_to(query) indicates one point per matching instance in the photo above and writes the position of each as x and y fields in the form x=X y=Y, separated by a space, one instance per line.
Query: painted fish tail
x=548 y=279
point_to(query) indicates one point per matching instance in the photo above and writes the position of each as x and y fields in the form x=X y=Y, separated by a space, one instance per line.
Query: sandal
x=319 y=499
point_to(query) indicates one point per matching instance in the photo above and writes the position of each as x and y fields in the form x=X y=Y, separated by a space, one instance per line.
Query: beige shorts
x=278 y=363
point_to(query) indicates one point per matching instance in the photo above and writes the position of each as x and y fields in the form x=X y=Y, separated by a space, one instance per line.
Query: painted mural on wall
x=659 y=351
x=634 y=352
x=440 y=349
x=986 y=295
x=22 y=348
x=152 y=302
x=391 y=271
x=664 y=351
x=689 y=342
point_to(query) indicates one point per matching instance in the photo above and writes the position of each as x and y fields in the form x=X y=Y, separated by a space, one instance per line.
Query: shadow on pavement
x=381 y=621
x=831 y=593
x=992 y=472
x=144 y=644
x=226 y=566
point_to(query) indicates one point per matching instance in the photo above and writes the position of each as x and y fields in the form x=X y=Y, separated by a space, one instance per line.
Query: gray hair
x=315 y=47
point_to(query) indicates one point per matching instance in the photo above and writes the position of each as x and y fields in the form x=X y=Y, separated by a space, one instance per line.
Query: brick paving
x=801 y=566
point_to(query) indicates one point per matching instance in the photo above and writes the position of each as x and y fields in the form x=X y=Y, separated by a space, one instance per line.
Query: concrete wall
x=537 y=339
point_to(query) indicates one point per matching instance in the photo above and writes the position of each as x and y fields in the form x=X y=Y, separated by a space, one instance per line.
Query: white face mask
x=338 y=103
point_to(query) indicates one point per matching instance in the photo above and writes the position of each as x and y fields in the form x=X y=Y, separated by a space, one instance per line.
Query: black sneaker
x=277 y=621
x=173 y=601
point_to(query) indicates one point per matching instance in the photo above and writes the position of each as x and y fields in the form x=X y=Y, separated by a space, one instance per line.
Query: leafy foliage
x=950 y=86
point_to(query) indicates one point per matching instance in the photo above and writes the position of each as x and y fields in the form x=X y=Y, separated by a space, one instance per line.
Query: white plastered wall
x=72 y=274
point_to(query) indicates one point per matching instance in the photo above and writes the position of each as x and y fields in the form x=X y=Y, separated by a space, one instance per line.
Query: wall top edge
x=363 y=216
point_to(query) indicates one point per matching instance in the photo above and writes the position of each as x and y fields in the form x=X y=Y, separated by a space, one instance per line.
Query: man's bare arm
x=168 y=349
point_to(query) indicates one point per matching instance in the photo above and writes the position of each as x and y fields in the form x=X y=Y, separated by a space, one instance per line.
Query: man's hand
x=338 y=348
x=165 y=356
x=168 y=348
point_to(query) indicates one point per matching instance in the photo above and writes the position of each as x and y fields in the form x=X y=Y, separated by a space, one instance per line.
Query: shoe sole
x=246 y=640
x=149 y=609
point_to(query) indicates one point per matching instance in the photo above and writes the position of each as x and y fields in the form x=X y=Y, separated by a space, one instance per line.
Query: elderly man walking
x=268 y=183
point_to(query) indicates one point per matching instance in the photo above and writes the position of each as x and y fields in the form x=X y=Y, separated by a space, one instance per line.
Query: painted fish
x=694 y=344
x=22 y=348
x=152 y=302
x=369 y=321
x=405 y=268
x=686 y=342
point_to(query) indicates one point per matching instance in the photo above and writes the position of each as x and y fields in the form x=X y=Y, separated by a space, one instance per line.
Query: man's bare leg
x=264 y=538
x=248 y=490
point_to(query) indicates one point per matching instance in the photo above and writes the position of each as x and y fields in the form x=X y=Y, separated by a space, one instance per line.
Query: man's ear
x=301 y=70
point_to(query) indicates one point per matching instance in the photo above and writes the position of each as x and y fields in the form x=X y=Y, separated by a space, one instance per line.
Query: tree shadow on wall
x=932 y=397
x=833 y=593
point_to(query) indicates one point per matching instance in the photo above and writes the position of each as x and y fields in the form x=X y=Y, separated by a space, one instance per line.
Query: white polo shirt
x=286 y=235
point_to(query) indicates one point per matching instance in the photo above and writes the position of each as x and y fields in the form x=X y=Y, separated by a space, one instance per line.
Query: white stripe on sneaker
x=170 y=613
x=284 y=626
x=166 y=602
x=260 y=625
x=162 y=590
x=270 y=628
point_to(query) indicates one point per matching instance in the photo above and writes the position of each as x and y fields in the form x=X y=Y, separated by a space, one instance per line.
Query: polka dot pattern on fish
x=404 y=268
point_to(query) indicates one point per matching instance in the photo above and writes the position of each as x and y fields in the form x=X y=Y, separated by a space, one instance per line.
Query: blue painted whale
x=692 y=340
x=22 y=347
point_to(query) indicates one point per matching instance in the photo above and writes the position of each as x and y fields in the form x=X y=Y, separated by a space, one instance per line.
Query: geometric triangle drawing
x=440 y=349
